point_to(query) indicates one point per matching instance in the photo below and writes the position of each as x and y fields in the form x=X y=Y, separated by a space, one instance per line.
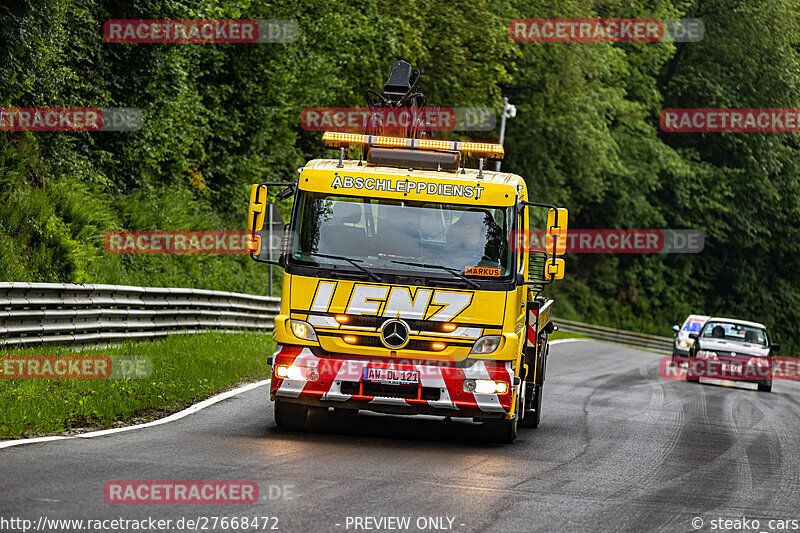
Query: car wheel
x=765 y=386
x=689 y=375
x=290 y=415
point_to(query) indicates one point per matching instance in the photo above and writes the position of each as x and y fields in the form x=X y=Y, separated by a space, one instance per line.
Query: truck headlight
x=684 y=344
x=291 y=372
x=303 y=330
x=486 y=344
x=485 y=386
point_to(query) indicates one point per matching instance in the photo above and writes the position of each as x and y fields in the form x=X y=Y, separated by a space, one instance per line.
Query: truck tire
x=505 y=431
x=501 y=430
x=765 y=386
x=290 y=415
x=534 y=416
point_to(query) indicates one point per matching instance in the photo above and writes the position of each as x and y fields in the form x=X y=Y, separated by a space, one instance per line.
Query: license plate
x=733 y=367
x=391 y=375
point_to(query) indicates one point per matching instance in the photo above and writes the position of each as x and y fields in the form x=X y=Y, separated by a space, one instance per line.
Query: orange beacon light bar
x=334 y=139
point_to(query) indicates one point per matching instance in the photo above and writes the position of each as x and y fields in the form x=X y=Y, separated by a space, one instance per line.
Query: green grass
x=186 y=369
x=565 y=335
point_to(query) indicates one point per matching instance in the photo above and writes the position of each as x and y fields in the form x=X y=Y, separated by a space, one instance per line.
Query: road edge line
x=171 y=418
x=559 y=341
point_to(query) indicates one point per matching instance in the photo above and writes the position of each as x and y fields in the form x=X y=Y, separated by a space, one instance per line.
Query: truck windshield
x=379 y=232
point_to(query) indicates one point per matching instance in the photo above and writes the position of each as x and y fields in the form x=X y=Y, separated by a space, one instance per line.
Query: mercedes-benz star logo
x=394 y=333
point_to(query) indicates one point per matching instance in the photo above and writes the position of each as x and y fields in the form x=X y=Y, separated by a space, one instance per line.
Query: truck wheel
x=765 y=386
x=501 y=430
x=534 y=416
x=290 y=415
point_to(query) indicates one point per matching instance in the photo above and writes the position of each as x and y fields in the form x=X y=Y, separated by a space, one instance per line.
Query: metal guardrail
x=619 y=336
x=43 y=313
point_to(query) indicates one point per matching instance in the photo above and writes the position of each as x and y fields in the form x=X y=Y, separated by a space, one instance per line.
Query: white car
x=682 y=344
x=736 y=347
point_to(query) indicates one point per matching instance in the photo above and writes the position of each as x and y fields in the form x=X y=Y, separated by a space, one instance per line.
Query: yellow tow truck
x=409 y=286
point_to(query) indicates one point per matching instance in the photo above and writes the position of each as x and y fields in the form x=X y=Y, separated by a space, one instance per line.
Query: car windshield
x=693 y=325
x=731 y=331
x=377 y=233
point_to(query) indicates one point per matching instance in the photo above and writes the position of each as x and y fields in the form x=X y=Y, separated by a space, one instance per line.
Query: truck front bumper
x=338 y=381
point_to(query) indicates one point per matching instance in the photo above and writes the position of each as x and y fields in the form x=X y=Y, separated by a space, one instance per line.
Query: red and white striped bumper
x=337 y=381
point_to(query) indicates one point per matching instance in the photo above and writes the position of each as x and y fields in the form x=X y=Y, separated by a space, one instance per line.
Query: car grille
x=738 y=355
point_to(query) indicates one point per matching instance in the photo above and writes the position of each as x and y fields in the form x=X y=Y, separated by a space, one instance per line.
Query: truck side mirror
x=774 y=348
x=557 y=233
x=264 y=245
x=265 y=225
x=676 y=329
x=554 y=269
x=256 y=211
x=694 y=335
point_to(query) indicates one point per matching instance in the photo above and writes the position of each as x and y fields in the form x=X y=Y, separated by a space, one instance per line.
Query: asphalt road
x=619 y=449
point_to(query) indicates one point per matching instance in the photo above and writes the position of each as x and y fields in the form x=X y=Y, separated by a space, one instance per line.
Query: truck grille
x=408 y=392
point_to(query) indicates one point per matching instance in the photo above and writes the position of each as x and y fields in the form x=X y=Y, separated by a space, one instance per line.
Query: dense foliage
x=222 y=116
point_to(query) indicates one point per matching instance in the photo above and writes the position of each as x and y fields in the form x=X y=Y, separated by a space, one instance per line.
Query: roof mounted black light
x=399 y=83
x=400 y=89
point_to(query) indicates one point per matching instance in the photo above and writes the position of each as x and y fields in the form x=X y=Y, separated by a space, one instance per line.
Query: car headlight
x=486 y=344
x=303 y=330
x=684 y=344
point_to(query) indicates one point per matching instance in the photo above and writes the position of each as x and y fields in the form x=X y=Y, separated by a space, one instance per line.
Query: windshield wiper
x=453 y=271
x=353 y=262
